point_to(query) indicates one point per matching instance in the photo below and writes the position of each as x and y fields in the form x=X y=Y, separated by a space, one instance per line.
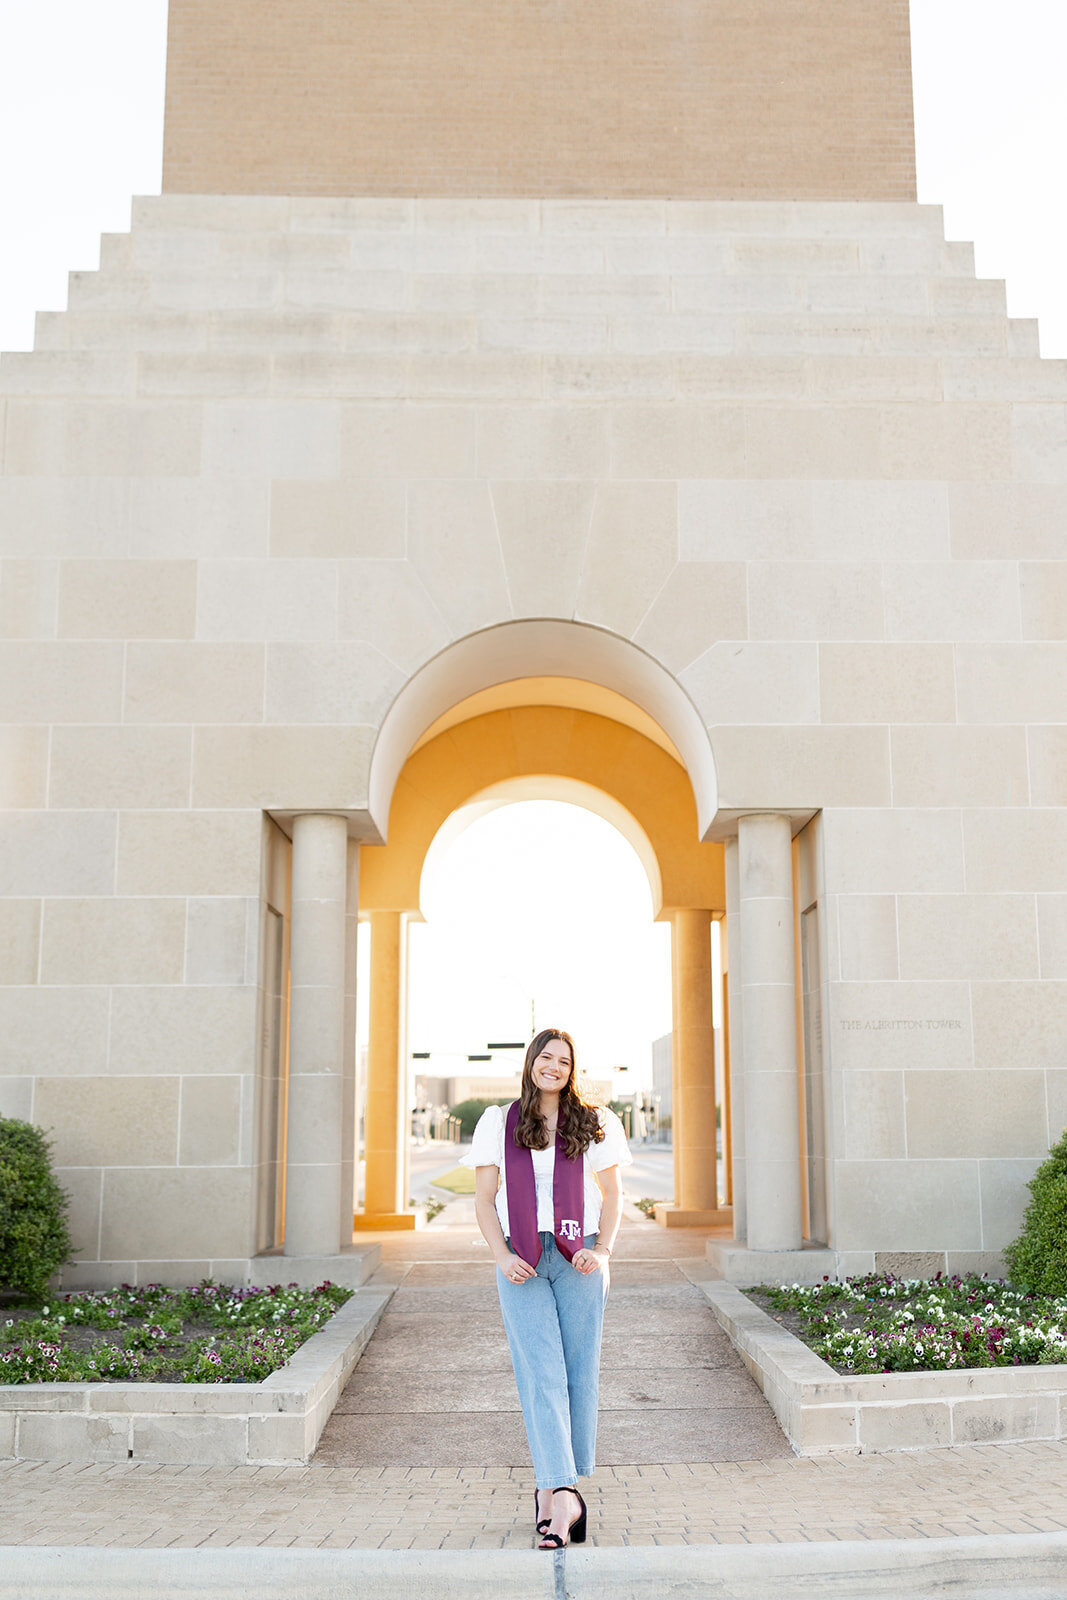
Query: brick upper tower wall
x=720 y=99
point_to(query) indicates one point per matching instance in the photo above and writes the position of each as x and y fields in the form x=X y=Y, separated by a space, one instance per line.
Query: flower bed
x=886 y=1324
x=209 y=1334
x=821 y=1410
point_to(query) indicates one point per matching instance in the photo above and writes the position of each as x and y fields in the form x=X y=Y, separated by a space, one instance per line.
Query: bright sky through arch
x=542 y=901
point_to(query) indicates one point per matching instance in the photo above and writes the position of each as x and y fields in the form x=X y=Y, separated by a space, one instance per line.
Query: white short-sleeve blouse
x=487 y=1150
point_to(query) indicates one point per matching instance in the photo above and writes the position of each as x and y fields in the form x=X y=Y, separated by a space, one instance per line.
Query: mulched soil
x=793 y=1321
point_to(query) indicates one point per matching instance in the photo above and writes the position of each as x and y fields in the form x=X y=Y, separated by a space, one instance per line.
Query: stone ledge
x=388 y=1221
x=822 y=1412
x=350 y=1267
x=997 y=1564
x=802 y=218
x=275 y=1422
x=668 y=1215
x=736 y=1263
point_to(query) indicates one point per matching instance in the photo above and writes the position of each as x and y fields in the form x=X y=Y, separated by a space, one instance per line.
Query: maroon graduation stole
x=568 y=1196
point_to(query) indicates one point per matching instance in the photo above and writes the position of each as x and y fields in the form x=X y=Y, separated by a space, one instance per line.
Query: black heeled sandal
x=541 y=1525
x=576 y=1531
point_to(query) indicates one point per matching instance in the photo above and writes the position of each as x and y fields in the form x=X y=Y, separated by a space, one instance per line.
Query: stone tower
x=552 y=396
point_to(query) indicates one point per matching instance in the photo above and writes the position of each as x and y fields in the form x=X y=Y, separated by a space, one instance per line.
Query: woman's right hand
x=515 y=1269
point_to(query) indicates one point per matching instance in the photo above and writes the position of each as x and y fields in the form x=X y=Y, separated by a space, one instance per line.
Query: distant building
x=661 y=1079
x=433 y=1091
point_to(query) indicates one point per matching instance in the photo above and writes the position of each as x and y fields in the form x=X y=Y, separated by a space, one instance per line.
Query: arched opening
x=503 y=714
x=559 y=738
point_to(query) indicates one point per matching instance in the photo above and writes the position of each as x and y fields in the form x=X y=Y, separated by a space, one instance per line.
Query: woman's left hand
x=588 y=1260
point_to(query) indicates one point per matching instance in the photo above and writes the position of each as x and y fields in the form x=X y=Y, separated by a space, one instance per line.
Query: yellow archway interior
x=482 y=756
x=542 y=661
x=548 y=738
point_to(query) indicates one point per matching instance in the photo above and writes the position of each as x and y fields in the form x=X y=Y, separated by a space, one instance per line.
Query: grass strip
x=459 y=1181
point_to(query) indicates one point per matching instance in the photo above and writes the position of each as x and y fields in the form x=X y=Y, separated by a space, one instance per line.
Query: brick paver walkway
x=980 y=1489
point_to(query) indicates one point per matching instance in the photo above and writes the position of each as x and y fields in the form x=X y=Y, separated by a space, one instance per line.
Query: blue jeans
x=553 y=1323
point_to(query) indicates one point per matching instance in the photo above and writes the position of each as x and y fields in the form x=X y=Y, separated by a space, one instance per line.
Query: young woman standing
x=548 y=1198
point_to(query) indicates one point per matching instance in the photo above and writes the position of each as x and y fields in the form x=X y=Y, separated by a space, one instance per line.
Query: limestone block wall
x=278 y=453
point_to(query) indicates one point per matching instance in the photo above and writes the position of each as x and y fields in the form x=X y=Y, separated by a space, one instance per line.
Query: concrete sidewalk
x=435 y=1384
x=1012 y=1568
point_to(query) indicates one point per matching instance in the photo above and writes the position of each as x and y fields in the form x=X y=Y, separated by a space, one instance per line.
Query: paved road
x=652 y=1172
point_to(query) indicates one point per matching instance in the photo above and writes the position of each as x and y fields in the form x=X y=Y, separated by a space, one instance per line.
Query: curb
x=1028 y=1566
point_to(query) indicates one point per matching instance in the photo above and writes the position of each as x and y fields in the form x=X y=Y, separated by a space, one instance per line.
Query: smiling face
x=552 y=1066
x=550 y=1084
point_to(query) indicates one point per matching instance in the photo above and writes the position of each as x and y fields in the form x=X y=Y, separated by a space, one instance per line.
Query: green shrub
x=468 y=1112
x=1037 y=1260
x=34 y=1242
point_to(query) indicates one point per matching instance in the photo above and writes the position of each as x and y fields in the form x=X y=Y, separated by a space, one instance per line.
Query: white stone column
x=768 y=987
x=736 y=1040
x=316 y=1035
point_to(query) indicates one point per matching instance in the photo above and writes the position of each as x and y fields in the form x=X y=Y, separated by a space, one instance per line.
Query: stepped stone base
x=368 y=1221
x=350 y=1267
x=738 y=1264
x=672 y=1216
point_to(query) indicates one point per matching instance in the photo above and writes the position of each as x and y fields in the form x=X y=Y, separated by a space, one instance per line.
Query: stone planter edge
x=276 y=1422
x=821 y=1412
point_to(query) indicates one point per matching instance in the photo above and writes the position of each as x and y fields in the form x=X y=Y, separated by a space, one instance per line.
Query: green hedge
x=468 y=1112
x=34 y=1242
x=1037 y=1259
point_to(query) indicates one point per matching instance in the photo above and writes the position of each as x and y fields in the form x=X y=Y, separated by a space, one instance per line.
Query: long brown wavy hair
x=578 y=1121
